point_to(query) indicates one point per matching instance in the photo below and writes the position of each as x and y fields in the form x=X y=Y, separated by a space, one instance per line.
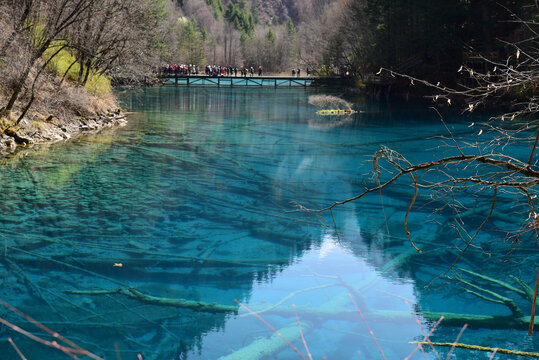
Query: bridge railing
x=234 y=81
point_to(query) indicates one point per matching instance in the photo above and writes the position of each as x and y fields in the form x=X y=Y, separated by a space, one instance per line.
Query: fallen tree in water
x=162 y=301
x=479 y=348
x=480 y=286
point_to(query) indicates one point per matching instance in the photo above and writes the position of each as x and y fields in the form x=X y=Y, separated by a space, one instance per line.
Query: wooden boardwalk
x=237 y=81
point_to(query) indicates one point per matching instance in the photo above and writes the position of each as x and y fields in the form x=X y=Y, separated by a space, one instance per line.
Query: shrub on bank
x=64 y=64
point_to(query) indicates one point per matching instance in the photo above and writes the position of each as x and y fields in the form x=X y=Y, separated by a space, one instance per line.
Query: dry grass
x=329 y=101
x=63 y=100
x=66 y=101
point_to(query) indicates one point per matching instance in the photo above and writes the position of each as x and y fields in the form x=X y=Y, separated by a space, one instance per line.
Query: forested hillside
x=413 y=36
x=271 y=34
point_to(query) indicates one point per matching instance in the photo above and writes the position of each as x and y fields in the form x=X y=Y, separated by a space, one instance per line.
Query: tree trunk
x=226 y=42
x=81 y=70
x=87 y=73
x=27 y=107
x=67 y=71
x=18 y=88
x=231 y=61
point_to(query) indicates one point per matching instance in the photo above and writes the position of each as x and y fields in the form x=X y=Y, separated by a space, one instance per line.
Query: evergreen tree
x=270 y=56
x=290 y=45
x=238 y=14
x=290 y=29
x=192 y=43
x=254 y=11
x=217 y=7
x=270 y=37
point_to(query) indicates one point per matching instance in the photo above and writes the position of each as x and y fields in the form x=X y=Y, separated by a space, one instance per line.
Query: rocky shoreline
x=51 y=130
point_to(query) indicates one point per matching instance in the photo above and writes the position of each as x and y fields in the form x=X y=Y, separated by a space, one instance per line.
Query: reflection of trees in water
x=219 y=102
x=330 y=122
x=328 y=119
x=490 y=273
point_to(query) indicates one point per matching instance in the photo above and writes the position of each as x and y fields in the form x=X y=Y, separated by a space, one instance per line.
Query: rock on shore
x=49 y=129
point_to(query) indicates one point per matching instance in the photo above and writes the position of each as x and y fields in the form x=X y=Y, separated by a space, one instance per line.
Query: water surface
x=196 y=199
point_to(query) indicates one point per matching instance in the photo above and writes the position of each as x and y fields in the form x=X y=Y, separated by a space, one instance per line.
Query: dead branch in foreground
x=498 y=172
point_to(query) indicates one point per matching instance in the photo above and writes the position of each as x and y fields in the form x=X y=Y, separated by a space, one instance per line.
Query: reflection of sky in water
x=318 y=285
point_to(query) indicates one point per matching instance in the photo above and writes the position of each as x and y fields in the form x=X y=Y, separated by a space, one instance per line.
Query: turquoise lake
x=198 y=198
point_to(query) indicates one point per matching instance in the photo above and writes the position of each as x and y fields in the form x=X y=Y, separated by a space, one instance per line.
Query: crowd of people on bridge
x=232 y=71
x=215 y=70
x=190 y=69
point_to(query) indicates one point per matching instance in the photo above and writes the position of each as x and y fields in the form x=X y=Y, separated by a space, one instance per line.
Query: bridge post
x=188 y=81
x=176 y=80
x=218 y=81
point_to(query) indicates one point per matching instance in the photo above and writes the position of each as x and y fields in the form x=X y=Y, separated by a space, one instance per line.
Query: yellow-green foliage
x=4 y=123
x=97 y=84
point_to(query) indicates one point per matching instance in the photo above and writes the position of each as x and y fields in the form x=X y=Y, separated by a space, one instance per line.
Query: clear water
x=195 y=200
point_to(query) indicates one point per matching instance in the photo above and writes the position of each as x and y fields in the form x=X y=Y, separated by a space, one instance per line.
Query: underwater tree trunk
x=264 y=348
x=149 y=299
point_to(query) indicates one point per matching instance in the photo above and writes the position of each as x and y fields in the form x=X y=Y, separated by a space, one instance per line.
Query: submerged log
x=479 y=348
x=339 y=308
x=154 y=300
x=450 y=319
x=128 y=263
x=265 y=348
